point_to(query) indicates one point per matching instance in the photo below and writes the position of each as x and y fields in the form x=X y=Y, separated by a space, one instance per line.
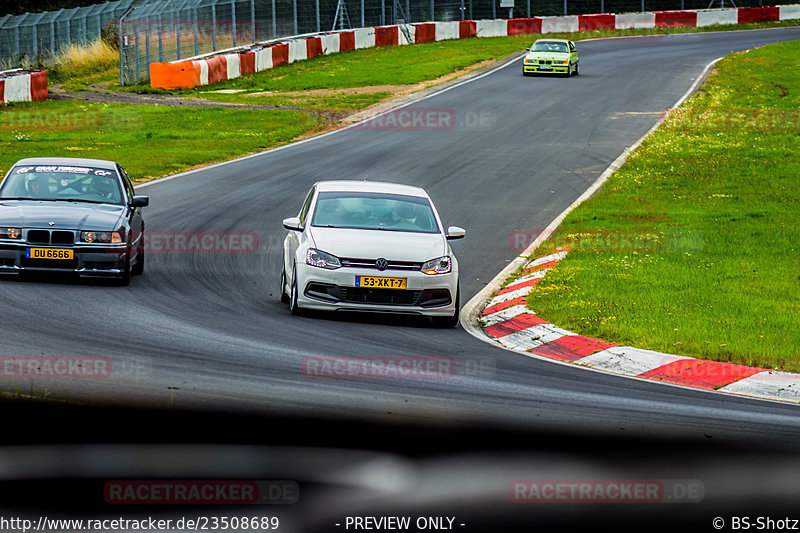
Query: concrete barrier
x=709 y=17
x=447 y=30
x=626 y=21
x=206 y=70
x=23 y=86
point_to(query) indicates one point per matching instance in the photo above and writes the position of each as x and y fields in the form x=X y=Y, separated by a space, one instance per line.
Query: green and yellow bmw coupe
x=551 y=56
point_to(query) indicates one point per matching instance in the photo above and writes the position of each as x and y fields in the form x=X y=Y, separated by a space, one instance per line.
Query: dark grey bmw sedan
x=71 y=215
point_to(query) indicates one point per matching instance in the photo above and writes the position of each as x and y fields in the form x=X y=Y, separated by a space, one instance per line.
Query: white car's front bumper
x=323 y=289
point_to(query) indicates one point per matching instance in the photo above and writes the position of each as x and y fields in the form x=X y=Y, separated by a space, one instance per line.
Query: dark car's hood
x=66 y=215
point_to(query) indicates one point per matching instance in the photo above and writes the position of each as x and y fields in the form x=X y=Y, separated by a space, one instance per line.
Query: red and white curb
x=507 y=319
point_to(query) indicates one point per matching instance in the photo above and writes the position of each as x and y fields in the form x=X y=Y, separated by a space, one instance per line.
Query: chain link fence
x=36 y=38
x=167 y=30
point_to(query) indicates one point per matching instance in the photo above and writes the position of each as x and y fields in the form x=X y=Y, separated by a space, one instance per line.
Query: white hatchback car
x=370 y=246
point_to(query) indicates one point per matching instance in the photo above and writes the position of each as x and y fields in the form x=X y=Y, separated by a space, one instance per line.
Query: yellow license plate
x=61 y=254
x=380 y=283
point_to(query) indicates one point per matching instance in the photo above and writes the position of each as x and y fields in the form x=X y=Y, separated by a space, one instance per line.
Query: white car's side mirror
x=454 y=232
x=292 y=224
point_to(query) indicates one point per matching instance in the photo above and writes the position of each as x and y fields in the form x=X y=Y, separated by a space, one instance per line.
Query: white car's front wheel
x=294 y=308
x=284 y=296
x=449 y=321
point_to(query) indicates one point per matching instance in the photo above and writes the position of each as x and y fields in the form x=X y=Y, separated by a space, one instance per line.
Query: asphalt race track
x=208 y=331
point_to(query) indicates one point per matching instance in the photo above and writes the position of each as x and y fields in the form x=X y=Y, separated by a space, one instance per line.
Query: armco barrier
x=23 y=86
x=232 y=63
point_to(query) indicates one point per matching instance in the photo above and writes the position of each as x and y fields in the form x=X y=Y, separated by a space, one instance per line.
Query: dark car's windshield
x=379 y=211
x=549 y=46
x=54 y=182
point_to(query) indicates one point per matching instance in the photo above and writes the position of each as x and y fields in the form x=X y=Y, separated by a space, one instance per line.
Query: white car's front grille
x=372 y=263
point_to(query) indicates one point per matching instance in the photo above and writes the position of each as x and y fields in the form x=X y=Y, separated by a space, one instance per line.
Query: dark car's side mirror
x=292 y=224
x=140 y=201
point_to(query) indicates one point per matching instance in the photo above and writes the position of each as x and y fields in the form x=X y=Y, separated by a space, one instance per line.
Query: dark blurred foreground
x=59 y=460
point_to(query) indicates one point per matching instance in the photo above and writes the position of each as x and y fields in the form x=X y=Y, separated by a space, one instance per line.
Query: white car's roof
x=370 y=186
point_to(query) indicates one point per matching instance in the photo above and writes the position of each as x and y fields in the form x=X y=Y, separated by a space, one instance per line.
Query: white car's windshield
x=80 y=184
x=548 y=46
x=375 y=211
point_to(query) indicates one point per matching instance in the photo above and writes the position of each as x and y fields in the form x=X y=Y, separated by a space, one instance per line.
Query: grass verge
x=692 y=247
x=148 y=141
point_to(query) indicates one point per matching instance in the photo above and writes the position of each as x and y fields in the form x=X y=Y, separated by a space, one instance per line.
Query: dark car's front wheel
x=138 y=268
x=125 y=277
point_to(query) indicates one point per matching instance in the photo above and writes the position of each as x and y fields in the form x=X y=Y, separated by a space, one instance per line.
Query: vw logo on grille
x=381 y=264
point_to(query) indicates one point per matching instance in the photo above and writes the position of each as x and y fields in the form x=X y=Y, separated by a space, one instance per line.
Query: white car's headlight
x=321 y=259
x=441 y=265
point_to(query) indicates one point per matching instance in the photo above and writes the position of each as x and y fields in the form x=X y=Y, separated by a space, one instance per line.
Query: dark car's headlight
x=10 y=233
x=321 y=259
x=112 y=237
x=441 y=265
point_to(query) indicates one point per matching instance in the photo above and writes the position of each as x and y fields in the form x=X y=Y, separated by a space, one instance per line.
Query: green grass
x=154 y=141
x=693 y=246
x=149 y=141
